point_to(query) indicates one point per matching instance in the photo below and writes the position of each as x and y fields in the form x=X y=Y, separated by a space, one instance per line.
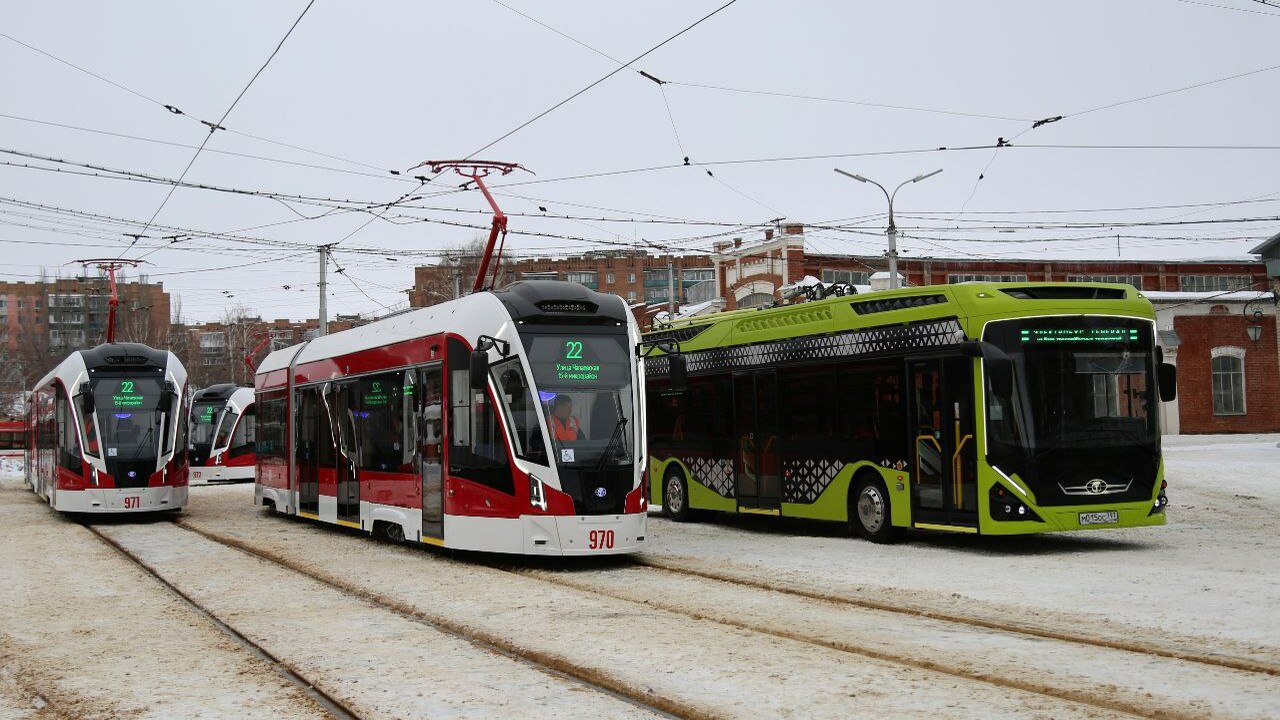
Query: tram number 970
x=132 y=502
x=600 y=540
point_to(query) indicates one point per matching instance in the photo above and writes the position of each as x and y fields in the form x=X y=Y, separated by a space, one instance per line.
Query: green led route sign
x=127 y=396
x=206 y=414
x=573 y=366
x=377 y=395
x=1041 y=336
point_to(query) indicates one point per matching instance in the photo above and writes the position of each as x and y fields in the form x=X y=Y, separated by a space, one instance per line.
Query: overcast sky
x=385 y=85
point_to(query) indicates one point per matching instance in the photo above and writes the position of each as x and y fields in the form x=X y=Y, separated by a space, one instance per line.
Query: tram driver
x=565 y=426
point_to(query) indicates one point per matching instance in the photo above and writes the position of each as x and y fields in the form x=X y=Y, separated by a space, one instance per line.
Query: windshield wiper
x=616 y=438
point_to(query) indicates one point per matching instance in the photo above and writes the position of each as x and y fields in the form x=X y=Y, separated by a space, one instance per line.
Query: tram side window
x=377 y=413
x=429 y=418
x=517 y=399
x=270 y=445
x=68 y=438
x=224 y=430
x=477 y=450
x=871 y=412
x=245 y=433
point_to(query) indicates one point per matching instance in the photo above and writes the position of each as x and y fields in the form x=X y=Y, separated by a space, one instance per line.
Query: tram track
x=332 y=705
x=1104 y=697
x=1231 y=662
x=1112 y=700
x=586 y=677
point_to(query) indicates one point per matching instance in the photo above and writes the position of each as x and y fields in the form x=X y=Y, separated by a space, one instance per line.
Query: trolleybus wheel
x=869 y=509
x=675 y=496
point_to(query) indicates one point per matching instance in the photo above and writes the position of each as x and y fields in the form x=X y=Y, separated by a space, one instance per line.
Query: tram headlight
x=537 y=497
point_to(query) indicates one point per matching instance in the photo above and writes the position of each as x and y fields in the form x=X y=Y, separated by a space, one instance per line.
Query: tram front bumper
x=584 y=534
x=121 y=500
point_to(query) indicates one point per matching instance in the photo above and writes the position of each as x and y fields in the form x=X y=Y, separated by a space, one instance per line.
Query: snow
x=94 y=636
x=1159 y=296
x=871 y=639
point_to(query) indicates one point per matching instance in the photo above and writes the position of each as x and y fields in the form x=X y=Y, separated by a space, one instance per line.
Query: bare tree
x=456 y=273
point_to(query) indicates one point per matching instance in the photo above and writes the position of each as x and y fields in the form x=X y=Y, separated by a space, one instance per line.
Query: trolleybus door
x=755 y=407
x=430 y=409
x=944 y=473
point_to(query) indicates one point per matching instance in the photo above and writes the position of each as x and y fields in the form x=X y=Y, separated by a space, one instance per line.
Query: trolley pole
x=323 y=328
x=892 y=232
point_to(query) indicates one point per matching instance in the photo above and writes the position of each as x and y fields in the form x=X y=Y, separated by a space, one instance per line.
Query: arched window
x=1227 y=368
x=756 y=300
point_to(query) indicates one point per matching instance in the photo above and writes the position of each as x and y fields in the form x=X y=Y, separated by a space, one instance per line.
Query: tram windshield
x=1084 y=387
x=584 y=387
x=130 y=418
x=204 y=420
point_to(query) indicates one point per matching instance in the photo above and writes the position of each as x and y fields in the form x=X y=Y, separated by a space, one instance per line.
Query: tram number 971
x=600 y=540
x=132 y=502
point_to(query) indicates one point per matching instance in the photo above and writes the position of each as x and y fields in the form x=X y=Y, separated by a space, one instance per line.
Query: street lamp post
x=892 y=231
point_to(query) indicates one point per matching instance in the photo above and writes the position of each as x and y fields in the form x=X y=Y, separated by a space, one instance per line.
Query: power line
x=216 y=126
x=1130 y=101
x=846 y=101
x=613 y=72
x=174 y=110
x=156 y=141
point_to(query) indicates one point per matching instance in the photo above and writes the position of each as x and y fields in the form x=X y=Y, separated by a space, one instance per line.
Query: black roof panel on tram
x=221 y=391
x=552 y=301
x=121 y=356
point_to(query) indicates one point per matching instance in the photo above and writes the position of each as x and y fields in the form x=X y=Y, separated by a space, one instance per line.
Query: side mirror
x=1168 y=381
x=678 y=372
x=479 y=369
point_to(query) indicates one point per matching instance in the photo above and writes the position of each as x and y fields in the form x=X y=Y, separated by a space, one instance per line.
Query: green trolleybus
x=990 y=408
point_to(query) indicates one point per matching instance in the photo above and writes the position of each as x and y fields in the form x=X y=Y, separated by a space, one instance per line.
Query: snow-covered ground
x=385 y=628
x=1213 y=572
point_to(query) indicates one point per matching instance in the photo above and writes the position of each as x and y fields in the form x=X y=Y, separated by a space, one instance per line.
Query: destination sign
x=1079 y=335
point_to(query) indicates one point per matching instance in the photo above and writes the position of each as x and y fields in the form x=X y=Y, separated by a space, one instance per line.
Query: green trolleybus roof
x=968 y=307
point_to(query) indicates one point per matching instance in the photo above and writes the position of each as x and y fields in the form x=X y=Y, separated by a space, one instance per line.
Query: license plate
x=1105 y=517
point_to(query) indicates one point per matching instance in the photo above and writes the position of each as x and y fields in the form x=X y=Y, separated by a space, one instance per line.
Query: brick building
x=214 y=352
x=41 y=321
x=635 y=275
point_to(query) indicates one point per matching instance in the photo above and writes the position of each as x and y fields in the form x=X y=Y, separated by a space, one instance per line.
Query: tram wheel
x=392 y=531
x=675 y=495
x=870 y=510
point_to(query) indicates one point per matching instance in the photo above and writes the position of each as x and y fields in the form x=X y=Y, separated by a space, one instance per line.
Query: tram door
x=429 y=406
x=312 y=437
x=348 y=459
x=944 y=469
x=756 y=466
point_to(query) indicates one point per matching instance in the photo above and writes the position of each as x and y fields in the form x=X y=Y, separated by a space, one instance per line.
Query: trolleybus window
x=1080 y=384
x=130 y=419
x=584 y=385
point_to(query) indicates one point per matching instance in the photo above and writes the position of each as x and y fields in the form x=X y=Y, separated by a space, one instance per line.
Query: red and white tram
x=13 y=440
x=106 y=431
x=223 y=433
x=507 y=421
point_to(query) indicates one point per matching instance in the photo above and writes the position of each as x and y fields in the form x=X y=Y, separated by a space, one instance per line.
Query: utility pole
x=323 y=328
x=892 y=232
x=671 y=289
